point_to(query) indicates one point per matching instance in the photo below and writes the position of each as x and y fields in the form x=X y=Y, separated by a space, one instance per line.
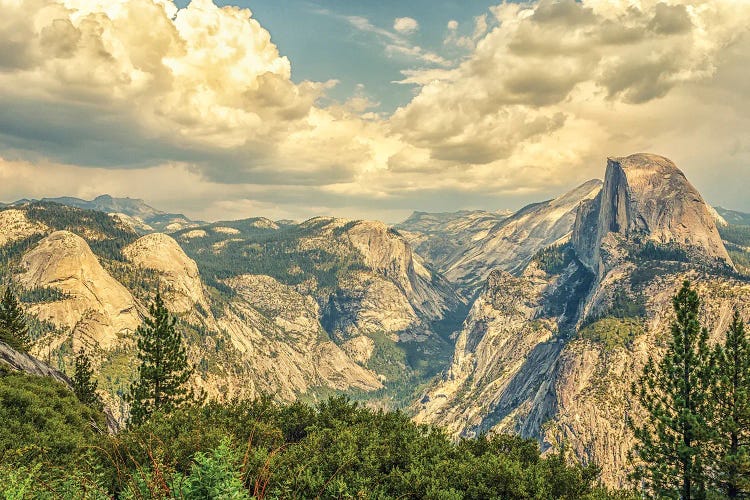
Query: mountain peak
x=645 y=197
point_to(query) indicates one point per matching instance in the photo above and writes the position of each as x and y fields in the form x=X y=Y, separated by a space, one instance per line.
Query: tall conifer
x=163 y=373
x=673 y=392
x=14 y=330
x=84 y=384
x=730 y=445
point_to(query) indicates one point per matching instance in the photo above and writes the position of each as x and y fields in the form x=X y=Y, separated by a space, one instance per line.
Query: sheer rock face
x=394 y=294
x=503 y=352
x=181 y=282
x=518 y=367
x=97 y=307
x=388 y=255
x=645 y=197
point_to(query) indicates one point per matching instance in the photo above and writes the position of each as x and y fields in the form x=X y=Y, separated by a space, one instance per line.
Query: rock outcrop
x=246 y=332
x=96 y=307
x=391 y=290
x=22 y=362
x=390 y=255
x=552 y=354
x=180 y=280
x=645 y=197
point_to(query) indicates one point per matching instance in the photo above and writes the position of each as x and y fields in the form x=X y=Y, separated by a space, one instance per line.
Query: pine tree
x=673 y=392
x=731 y=403
x=164 y=371
x=14 y=330
x=84 y=384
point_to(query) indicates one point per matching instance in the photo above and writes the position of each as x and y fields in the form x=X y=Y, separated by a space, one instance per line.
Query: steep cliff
x=645 y=198
x=504 y=351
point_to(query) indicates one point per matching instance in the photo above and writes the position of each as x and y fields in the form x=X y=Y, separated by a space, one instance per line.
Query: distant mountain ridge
x=734 y=216
x=132 y=211
x=467 y=246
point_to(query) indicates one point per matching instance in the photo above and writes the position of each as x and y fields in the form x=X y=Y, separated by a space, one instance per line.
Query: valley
x=533 y=322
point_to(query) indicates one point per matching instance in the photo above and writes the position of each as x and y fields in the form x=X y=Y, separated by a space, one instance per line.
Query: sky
x=365 y=109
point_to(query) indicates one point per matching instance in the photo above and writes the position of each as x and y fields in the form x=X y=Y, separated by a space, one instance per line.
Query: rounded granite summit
x=645 y=196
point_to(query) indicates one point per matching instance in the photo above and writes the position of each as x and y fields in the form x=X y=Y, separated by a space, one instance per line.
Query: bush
x=43 y=421
x=262 y=449
x=214 y=475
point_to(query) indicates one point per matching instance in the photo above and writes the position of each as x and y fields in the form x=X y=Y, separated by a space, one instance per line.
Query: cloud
x=405 y=25
x=199 y=113
x=203 y=85
x=395 y=42
x=534 y=76
x=466 y=41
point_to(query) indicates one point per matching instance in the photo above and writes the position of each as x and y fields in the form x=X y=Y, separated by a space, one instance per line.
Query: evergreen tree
x=731 y=400
x=673 y=393
x=84 y=384
x=164 y=371
x=14 y=330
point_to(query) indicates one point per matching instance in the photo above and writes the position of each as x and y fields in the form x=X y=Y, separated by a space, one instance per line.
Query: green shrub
x=42 y=420
x=613 y=333
x=214 y=475
x=262 y=449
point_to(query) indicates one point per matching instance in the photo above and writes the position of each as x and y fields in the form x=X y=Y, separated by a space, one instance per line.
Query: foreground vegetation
x=260 y=449
x=176 y=446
